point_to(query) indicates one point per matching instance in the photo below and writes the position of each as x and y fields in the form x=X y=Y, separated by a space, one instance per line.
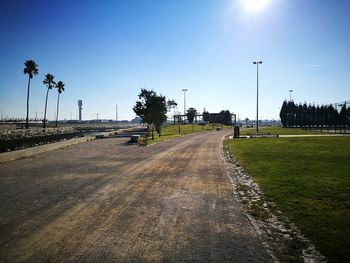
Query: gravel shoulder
x=105 y=201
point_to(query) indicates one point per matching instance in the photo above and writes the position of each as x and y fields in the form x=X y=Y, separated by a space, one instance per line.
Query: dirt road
x=104 y=201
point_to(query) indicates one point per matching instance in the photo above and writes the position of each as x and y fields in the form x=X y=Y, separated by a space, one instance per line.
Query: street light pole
x=184 y=90
x=290 y=94
x=116 y=113
x=257 y=94
x=116 y=116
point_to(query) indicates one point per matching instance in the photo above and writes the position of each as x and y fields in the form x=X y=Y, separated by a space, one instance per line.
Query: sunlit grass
x=308 y=179
x=279 y=131
x=174 y=131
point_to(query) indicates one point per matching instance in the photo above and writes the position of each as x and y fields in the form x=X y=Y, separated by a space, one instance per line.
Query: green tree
x=283 y=114
x=49 y=82
x=206 y=116
x=191 y=114
x=313 y=113
x=342 y=116
x=323 y=114
x=31 y=68
x=291 y=113
x=304 y=115
x=152 y=109
x=225 y=117
x=299 y=114
x=334 y=116
x=172 y=105
x=318 y=116
x=60 y=88
x=246 y=121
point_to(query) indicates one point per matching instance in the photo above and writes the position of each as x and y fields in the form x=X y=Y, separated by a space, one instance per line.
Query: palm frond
x=49 y=81
x=60 y=86
x=31 y=68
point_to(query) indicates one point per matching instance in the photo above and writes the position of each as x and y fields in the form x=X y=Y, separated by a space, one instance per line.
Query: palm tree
x=60 y=88
x=31 y=68
x=49 y=82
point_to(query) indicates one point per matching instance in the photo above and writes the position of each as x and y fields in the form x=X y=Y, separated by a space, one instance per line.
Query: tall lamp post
x=290 y=94
x=184 y=90
x=116 y=115
x=257 y=94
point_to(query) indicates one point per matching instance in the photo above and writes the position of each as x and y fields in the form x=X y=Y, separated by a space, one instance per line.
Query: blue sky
x=105 y=51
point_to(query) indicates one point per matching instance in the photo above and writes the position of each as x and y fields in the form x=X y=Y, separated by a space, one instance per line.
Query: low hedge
x=23 y=138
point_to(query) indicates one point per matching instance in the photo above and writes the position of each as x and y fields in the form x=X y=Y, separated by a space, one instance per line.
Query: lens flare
x=255 y=5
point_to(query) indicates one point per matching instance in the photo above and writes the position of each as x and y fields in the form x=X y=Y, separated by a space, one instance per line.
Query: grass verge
x=280 y=131
x=308 y=179
x=172 y=131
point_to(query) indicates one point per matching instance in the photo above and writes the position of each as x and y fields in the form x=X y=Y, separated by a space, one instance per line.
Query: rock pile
x=13 y=139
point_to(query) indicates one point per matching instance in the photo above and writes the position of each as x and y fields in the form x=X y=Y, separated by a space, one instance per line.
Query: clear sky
x=105 y=51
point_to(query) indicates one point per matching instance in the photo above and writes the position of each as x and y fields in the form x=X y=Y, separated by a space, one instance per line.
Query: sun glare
x=255 y=5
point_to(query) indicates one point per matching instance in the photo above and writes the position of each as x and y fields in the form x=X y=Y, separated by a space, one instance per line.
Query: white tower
x=80 y=104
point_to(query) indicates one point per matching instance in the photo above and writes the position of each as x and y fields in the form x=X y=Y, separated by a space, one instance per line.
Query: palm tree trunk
x=44 y=121
x=58 y=103
x=27 y=119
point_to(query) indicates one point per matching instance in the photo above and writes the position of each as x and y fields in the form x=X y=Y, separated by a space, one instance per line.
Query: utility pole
x=290 y=94
x=257 y=94
x=116 y=113
x=116 y=116
x=184 y=90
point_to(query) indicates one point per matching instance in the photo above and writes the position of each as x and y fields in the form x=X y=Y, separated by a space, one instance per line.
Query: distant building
x=224 y=117
x=214 y=117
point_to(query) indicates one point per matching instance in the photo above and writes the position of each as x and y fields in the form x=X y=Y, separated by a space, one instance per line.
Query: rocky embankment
x=13 y=139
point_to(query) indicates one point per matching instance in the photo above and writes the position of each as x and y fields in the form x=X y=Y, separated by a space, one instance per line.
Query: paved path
x=104 y=201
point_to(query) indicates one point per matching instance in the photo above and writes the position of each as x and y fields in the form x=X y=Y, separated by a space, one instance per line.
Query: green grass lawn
x=279 y=131
x=309 y=180
x=172 y=131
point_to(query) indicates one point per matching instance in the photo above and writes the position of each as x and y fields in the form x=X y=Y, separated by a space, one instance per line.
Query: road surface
x=105 y=201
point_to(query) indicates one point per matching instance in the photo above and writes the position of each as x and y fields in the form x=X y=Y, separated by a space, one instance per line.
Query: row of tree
x=31 y=68
x=307 y=115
